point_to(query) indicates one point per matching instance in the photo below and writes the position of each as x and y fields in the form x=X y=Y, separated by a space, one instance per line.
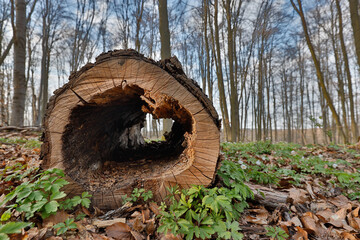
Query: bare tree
x=299 y=9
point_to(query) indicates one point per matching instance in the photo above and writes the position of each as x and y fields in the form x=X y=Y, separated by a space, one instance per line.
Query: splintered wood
x=93 y=124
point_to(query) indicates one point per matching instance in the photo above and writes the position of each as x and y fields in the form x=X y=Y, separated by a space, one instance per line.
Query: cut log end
x=93 y=129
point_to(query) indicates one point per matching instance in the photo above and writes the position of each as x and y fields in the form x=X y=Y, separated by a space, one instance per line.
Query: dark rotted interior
x=107 y=132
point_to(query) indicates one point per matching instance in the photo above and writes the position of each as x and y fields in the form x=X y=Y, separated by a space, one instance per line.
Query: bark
x=355 y=23
x=93 y=127
x=18 y=106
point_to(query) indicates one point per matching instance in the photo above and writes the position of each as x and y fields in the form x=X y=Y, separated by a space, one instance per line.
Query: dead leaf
x=137 y=235
x=145 y=214
x=99 y=237
x=170 y=236
x=106 y=223
x=119 y=231
x=154 y=208
x=261 y=216
x=297 y=196
x=325 y=215
x=138 y=225
x=301 y=234
x=338 y=218
x=296 y=221
x=311 y=224
x=150 y=227
x=58 y=217
x=86 y=211
x=348 y=236
x=310 y=190
x=339 y=201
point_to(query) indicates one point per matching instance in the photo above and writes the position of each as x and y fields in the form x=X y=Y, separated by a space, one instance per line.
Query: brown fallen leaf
x=297 y=196
x=137 y=235
x=119 y=231
x=145 y=214
x=154 y=208
x=58 y=217
x=348 y=236
x=138 y=225
x=301 y=234
x=311 y=225
x=339 y=201
x=338 y=218
x=150 y=227
x=310 y=190
x=296 y=221
x=261 y=216
x=325 y=215
x=170 y=236
x=99 y=237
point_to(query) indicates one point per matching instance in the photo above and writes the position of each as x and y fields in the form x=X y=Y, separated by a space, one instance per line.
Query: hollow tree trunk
x=92 y=129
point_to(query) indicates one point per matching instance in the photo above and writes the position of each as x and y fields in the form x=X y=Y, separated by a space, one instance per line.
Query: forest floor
x=300 y=192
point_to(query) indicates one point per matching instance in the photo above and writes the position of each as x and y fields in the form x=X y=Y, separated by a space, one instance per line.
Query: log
x=92 y=129
x=269 y=197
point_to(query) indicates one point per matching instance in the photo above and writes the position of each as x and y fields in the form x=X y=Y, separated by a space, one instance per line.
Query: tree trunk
x=355 y=23
x=354 y=129
x=165 y=46
x=18 y=105
x=93 y=123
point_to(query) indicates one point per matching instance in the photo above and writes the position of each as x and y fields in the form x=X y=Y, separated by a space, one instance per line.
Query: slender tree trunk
x=18 y=107
x=355 y=23
x=207 y=50
x=233 y=90
x=220 y=79
x=165 y=46
x=354 y=128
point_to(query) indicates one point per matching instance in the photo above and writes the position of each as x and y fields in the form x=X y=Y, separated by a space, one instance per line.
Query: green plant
x=65 y=226
x=41 y=194
x=201 y=213
x=28 y=143
x=208 y=212
x=137 y=194
x=276 y=233
x=12 y=227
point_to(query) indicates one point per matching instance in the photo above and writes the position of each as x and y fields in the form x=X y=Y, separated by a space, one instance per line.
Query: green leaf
x=85 y=202
x=24 y=207
x=51 y=207
x=207 y=221
x=4 y=236
x=86 y=195
x=36 y=195
x=57 y=195
x=6 y=215
x=38 y=205
x=13 y=227
x=25 y=192
x=59 y=225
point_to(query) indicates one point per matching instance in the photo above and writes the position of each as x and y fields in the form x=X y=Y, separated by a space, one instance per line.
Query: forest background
x=278 y=70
